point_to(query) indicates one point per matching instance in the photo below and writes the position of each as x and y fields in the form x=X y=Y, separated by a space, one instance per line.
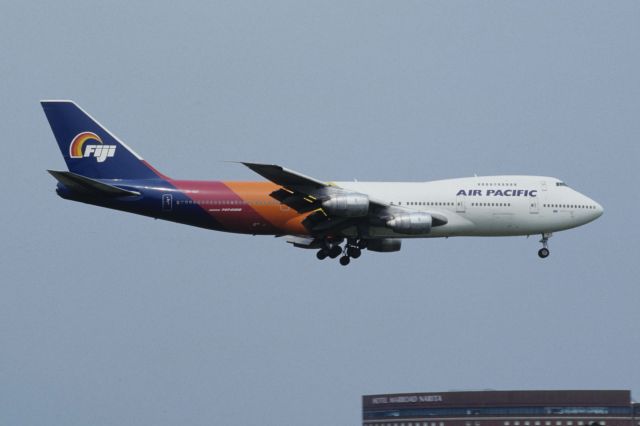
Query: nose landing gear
x=544 y=251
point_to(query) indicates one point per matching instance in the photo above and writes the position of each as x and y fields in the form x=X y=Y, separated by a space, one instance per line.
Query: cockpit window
x=561 y=184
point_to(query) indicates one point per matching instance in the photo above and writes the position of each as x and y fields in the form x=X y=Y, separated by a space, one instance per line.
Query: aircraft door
x=460 y=207
x=533 y=205
x=167 y=202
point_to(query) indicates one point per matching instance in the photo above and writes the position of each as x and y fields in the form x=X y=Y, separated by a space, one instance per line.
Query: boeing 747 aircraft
x=338 y=219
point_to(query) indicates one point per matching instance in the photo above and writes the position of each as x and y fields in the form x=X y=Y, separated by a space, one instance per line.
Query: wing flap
x=302 y=203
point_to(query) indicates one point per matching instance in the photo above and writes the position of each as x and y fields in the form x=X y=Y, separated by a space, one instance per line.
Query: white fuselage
x=486 y=205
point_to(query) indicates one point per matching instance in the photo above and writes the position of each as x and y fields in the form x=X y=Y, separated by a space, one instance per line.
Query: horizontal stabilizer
x=88 y=186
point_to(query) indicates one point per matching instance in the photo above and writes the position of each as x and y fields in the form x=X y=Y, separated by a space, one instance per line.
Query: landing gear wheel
x=344 y=260
x=335 y=251
x=354 y=252
x=322 y=254
x=544 y=251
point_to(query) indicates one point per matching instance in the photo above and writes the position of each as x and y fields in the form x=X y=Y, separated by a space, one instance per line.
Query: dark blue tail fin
x=91 y=150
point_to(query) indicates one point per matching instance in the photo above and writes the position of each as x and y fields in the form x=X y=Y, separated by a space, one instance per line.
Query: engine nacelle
x=351 y=205
x=411 y=223
x=384 y=245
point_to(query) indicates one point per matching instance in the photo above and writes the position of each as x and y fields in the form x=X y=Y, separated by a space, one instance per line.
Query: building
x=502 y=408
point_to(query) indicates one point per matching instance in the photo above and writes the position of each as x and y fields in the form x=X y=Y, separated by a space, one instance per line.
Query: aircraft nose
x=599 y=210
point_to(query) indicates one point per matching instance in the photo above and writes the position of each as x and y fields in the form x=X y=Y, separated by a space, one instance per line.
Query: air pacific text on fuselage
x=100 y=152
x=498 y=192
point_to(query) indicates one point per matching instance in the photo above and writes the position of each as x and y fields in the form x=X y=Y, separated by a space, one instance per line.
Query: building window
x=506 y=423
x=558 y=423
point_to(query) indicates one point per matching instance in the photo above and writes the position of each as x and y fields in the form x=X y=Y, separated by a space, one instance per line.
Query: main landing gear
x=330 y=251
x=544 y=251
x=352 y=250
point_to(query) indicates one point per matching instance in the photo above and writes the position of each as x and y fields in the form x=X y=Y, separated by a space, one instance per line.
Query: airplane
x=338 y=219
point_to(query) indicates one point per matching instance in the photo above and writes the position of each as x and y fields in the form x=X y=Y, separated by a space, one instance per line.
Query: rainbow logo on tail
x=79 y=148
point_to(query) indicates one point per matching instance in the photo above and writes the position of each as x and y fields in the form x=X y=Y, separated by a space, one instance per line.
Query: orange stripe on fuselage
x=256 y=194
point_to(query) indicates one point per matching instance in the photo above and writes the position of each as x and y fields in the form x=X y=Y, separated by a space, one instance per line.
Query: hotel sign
x=404 y=399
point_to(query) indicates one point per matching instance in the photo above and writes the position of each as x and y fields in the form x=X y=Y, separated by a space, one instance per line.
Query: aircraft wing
x=306 y=194
x=285 y=177
x=295 y=182
x=298 y=191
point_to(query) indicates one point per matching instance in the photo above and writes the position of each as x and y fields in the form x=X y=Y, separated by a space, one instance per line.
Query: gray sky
x=108 y=318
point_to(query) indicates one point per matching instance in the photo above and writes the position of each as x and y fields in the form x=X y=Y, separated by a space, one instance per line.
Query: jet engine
x=384 y=245
x=351 y=205
x=412 y=223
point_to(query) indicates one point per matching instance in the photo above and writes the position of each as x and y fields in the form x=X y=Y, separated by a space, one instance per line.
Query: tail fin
x=91 y=150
